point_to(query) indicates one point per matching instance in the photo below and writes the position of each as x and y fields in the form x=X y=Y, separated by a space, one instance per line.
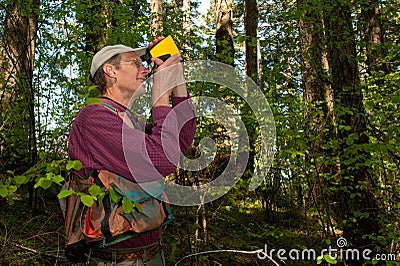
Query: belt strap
x=105 y=224
x=129 y=254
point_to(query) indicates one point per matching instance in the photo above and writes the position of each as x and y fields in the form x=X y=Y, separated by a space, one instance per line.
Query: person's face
x=131 y=73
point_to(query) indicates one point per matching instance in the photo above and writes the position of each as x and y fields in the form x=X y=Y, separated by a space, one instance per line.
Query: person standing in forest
x=103 y=135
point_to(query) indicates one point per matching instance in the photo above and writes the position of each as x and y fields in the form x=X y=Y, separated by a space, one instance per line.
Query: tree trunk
x=186 y=22
x=18 y=149
x=373 y=36
x=251 y=67
x=251 y=43
x=357 y=205
x=225 y=50
x=318 y=116
x=156 y=23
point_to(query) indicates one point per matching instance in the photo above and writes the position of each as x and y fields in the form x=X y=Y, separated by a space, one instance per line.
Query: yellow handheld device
x=163 y=50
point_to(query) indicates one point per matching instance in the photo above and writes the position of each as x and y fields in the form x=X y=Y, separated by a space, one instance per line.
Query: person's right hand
x=168 y=75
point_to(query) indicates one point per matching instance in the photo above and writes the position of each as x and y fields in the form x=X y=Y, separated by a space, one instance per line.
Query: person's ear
x=109 y=70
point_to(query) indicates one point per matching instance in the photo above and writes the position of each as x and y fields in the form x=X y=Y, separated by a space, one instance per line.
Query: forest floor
x=230 y=223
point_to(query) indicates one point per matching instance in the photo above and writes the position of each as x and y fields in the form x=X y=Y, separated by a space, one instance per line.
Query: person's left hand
x=170 y=61
x=155 y=41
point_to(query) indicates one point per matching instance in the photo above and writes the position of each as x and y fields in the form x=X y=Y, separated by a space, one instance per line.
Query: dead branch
x=59 y=257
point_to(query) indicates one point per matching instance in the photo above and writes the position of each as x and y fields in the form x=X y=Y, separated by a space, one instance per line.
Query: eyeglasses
x=136 y=62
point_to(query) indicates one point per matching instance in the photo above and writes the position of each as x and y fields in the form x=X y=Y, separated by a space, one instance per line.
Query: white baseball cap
x=109 y=51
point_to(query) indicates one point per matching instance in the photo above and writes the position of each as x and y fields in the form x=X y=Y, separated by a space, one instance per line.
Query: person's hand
x=155 y=41
x=168 y=76
x=175 y=59
x=157 y=61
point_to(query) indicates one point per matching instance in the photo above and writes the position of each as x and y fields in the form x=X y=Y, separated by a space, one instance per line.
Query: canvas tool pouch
x=105 y=223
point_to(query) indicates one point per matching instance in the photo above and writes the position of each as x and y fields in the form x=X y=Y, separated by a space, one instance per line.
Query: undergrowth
x=30 y=237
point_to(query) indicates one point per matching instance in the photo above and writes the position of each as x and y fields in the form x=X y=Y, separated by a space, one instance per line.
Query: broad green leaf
x=100 y=197
x=382 y=240
x=69 y=165
x=12 y=189
x=319 y=259
x=20 y=179
x=75 y=164
x=369 y=105
x=329 y=259
x=42 y=155
x=94 y=190
x=3 y=192
x=87 y=200
x=49 y=176
x=43 y=183
x=65 y=193
x=58 y=179
x=114 y=196
x=349 y=141
x=396 y=99
x=127 y=205
x=38 y=183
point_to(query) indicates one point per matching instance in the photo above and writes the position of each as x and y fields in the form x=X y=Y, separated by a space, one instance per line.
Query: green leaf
x=58 y=179
x=20 y=179
x=42 y=155
x=43 y=183
x=65 y=193
x=87 y=200
x=94 y=190
x=329 y=259
x=396 y=99
x=369 y=105
x=114 y=196
x=12 y=189
x=3 y=192
x=127 y=205
x=382 y=240
x=349 y=141
x=319 y=259
x=75 y=164
x=69 y=165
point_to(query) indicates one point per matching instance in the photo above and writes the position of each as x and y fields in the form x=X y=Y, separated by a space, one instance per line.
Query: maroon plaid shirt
x=100 y=141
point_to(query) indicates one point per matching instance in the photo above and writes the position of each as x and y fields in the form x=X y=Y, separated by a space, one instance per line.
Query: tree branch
x=38 y=252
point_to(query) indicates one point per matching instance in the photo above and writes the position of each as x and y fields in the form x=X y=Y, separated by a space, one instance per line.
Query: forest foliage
x=330 y=71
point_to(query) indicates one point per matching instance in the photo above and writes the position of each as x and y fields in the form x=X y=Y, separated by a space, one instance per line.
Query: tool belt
x=105 y=222
x=128 y=254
